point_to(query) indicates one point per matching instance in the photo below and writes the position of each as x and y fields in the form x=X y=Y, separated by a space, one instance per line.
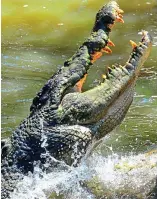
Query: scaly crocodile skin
x=63 y=124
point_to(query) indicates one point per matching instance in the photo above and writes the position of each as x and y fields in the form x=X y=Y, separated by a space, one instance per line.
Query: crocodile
x=64 y=122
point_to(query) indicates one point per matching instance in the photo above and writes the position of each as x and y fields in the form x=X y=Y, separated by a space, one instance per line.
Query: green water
x=38 y=36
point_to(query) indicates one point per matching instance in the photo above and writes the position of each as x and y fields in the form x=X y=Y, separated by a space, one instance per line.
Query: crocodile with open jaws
x=63 y=121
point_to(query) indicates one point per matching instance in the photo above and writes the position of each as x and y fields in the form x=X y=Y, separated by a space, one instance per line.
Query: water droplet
x=60 y=24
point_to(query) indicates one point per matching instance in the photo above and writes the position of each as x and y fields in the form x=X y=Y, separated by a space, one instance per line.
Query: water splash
x=114 y=174
x=155 y=41
x=127 y=174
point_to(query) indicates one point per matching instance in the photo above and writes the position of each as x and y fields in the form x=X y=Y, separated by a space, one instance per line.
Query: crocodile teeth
x=133 y=44
x=140 y=43
x=110 y=43
x=104 y=76
x=120 y=11
x=106 y=50
x=144 y=33
x=121 y=16
x=124 y=70
x=113 y=66
x=119 y=19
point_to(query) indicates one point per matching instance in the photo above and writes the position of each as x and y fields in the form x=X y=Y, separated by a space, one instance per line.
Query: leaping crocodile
x=64 y=121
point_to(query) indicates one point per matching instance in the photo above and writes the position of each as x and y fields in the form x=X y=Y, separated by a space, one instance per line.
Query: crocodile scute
x=63 y=119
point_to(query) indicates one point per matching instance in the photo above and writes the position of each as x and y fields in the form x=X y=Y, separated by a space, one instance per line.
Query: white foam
x=134 y=172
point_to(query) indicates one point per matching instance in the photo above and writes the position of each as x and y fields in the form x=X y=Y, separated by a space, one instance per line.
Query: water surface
x=38 y=36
